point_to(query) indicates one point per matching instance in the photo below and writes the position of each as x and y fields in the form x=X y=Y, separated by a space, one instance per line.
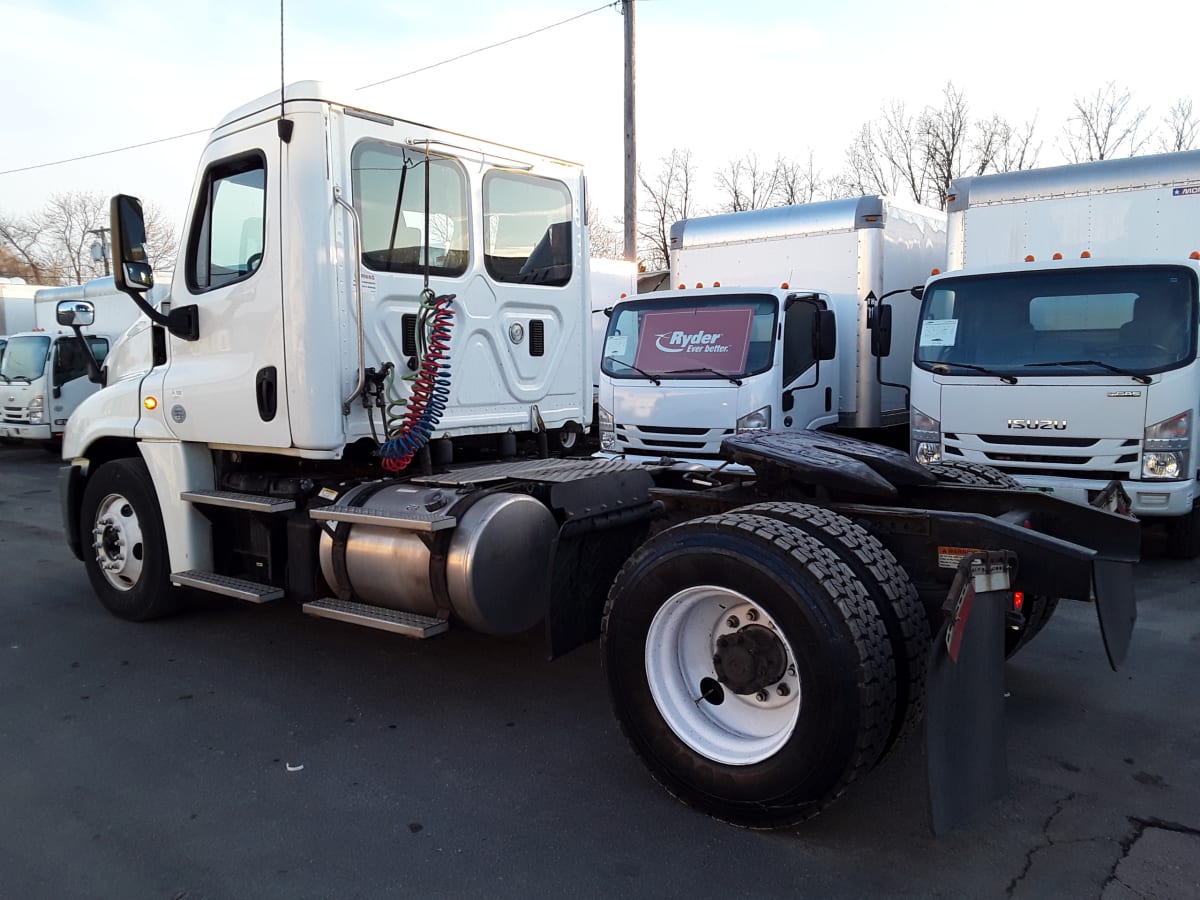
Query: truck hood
x=706 y=404
x=1115 y=409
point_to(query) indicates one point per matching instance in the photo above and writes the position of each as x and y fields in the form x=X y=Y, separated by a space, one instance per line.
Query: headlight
x=608 y=431
x=925 y=437
x=759 y=420
x=37 y=409
x=1165 y=452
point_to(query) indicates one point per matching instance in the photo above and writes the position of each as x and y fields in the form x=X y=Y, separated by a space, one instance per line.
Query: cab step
x=408 y=519
x=235 y=500
x=408 y=624
x=238 y=588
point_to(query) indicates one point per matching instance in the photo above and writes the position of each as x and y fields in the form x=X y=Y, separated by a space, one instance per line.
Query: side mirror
x=825 y=334
x=132 y=271
x=881 y=333
x=75 y=312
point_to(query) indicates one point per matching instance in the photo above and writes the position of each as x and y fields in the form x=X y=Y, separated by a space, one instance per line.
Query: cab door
x=809 y=389
x=229 y=387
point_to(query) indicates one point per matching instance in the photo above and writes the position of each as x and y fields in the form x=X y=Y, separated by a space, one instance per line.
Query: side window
x=527 y=229
x=227 y=239
x=798 y=353
x=389 y=193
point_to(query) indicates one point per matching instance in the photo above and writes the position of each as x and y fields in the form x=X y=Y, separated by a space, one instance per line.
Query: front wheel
x=748 y=668
x=124 y=547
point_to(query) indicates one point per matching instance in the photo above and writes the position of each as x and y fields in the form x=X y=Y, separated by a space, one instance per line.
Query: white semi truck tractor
x=378 y=338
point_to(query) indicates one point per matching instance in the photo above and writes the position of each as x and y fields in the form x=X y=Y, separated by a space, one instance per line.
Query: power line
x=488 y=47
x=59 y=162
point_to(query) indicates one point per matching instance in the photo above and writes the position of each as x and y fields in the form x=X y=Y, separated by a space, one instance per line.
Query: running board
x=408 y=624
x=411 y=519
x=238 y=588
x=234 y=500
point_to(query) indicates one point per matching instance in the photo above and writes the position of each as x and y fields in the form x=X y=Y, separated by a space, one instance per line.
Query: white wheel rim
x=117 y=541
x=742 y=729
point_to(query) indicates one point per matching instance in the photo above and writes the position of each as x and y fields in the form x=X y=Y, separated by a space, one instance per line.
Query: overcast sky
x=719 y=78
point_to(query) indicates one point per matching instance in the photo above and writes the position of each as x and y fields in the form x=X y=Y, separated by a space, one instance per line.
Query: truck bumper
x=25 y=432
x=1149 y=499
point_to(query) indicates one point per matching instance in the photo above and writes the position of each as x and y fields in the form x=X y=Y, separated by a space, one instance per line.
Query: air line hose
x=409 y=422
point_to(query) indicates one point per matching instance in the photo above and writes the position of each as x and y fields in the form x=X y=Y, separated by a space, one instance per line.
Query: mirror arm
x=95 y=375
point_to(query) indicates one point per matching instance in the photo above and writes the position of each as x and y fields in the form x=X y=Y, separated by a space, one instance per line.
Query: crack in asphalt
x=1140 y=824
x=1058 y=808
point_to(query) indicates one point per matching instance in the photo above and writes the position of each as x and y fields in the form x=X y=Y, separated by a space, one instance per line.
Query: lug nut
x=761 y=696
x=783 y=690
x=752 y=615
x=732 y=622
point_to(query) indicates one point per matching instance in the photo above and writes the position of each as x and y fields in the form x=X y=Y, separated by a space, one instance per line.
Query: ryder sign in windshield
x=681 y=339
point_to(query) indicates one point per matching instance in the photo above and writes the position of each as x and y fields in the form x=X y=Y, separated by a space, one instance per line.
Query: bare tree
x=1182 y=128
x=607 y=240
x=55 y=245
x=1104 y=125
x=1005 y=148
x=668 y=197
x=943 y=135
x=797 y=182
x=19 y=242
x=748 y=184
x=888 y=158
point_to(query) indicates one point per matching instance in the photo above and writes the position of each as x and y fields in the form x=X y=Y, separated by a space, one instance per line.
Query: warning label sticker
x=950 y=557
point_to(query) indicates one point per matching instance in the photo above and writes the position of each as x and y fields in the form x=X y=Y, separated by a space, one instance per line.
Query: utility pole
x=101 y=250
x=630 y=139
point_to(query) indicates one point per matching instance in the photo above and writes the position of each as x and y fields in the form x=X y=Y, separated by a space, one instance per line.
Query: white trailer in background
x=1060 y=345
x=44 y=371
x=16 y=309
x=767 y=295
x=612 y=280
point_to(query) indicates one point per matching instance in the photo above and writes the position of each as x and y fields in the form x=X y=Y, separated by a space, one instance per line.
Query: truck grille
x=689 y=443
x=1071 y=457
x=16 y=415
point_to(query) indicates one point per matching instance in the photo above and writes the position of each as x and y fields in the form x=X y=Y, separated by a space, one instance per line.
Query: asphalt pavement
x=239 y=751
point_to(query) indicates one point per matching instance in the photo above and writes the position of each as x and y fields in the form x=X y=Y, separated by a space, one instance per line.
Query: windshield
x=713 y=338
x=1131 y=319
x=25 y=357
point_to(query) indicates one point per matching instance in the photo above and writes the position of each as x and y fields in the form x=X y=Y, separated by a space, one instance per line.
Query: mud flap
x=966 y=756
x=1116 y=606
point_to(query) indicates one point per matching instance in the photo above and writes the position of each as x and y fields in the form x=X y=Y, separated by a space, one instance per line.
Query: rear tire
x=972 y=474
x=890 y=589
x=123 y=542
x=756 y=748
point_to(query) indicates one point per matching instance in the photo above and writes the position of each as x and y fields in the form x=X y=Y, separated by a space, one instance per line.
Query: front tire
x=124 y=544
x=748 y=668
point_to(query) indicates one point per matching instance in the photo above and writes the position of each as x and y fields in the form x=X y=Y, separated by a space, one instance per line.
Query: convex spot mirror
x=75 y=312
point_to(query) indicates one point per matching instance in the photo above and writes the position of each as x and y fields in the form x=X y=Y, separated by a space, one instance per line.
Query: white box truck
x=16 y=309
x=44 y=372
x=1060 y=344
x=730 y=350
x=378 y=335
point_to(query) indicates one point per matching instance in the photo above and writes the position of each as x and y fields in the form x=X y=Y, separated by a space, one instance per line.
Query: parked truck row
x=377 y=337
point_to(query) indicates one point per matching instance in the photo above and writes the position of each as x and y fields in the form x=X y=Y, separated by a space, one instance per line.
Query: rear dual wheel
x=748 y=668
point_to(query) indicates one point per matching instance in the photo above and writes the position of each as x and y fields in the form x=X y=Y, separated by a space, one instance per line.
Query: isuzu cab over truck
x=1060 y=344
x=44 y=373
x=730 y=351
x=377 y=337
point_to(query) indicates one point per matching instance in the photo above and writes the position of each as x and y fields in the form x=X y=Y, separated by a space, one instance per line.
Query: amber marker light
x=716 y=284
x=935 y=271
x=699 y=284
x=150 y=403
x=1057 y=256
x=1029 y=258
x=682 y=285
x=1195 y=254
x=784 y=286
x=1086 y=254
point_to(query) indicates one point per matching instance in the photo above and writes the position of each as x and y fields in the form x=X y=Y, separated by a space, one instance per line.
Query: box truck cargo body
x=778 y=273
x=1061 y=344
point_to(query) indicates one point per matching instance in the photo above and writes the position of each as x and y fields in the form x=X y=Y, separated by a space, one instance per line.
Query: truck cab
x=683 y=370
x=44 y=377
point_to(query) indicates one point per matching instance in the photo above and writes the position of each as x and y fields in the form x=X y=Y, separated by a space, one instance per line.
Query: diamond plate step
x=234 y=500
x=410 y=519
x=238 y=588
x=407 y=624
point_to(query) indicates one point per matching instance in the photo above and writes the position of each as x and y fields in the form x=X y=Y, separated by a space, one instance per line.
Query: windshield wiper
x=1136 y=376
x=736 y=381
x=943 y=368
x=655 y=379
x=25 y=378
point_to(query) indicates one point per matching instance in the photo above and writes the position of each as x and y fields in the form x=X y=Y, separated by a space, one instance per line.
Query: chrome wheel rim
x=117 y=542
